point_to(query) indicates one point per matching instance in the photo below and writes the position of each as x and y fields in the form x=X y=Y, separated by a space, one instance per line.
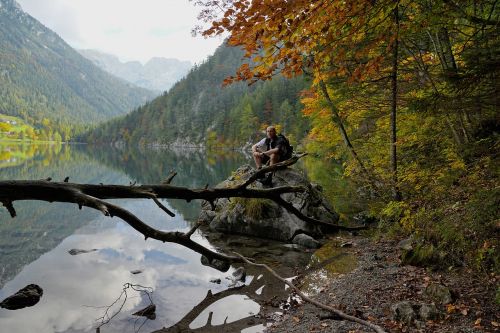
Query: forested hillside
x=198 y=110
x=44 y=80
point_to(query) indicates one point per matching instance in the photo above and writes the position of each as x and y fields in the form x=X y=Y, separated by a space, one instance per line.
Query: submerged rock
x=75 y=252
x=215 y=263
x=25 y=297
x=264 y=218
x=306 y=241
x=240 y=274
x=428 y=312
x=148 y=312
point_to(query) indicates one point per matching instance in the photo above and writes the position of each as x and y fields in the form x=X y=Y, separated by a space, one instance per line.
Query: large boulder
x=264 y=218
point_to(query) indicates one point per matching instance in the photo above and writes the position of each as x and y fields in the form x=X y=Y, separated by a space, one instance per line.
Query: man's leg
x=275 y=158
x=258 y=160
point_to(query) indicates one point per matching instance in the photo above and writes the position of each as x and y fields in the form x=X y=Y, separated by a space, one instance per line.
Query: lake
x=79 y=289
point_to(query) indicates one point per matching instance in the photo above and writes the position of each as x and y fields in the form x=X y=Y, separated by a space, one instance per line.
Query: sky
x=129 y=29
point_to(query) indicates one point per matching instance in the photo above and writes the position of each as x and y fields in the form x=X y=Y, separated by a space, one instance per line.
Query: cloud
x=130 y=29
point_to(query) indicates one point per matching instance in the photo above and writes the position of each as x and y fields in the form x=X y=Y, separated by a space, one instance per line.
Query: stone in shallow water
x=75 y=252
x=306 y=241
x=217 y=264
x=26 y=297
x=148 y=312
x=240 y=274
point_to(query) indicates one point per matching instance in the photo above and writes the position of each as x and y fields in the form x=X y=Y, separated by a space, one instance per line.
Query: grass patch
x=255 y=208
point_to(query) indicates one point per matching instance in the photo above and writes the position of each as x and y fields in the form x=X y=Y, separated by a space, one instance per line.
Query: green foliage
x=424 y=255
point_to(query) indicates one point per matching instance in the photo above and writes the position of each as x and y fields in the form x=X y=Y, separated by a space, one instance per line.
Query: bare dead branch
x=107 y=317
x=291 y=208
x=339 y=313
x=271 y=168
x=94 y=196
x=193 y=229
x=169 y=178
x=165 y=209
x=10 y=207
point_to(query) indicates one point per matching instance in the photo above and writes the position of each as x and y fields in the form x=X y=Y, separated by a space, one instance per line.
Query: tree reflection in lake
x=34 y=246
x=194 y=168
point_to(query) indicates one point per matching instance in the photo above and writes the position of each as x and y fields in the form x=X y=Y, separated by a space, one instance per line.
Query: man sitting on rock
x=272 y=148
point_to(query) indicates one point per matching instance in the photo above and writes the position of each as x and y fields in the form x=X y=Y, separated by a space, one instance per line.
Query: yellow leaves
x=459 y=308
x=450 y=308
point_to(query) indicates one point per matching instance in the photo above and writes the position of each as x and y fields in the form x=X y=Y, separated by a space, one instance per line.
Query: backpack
x=285 y=149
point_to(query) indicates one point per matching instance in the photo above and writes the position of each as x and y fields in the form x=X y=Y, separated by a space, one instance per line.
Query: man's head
x=271 y=132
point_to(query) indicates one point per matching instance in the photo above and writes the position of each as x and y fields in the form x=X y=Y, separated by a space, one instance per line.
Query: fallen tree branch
x=107 y=317
x=339 y=313
x=94 y=196
x=278 y=166
x=291 y=208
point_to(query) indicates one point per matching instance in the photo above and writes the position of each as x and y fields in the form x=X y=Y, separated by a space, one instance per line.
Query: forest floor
x=379 y=281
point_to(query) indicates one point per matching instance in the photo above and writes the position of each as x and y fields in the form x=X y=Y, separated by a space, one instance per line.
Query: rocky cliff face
x=266 y=219
x=158 y=74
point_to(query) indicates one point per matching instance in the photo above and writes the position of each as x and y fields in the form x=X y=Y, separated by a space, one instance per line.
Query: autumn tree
x=333 y=41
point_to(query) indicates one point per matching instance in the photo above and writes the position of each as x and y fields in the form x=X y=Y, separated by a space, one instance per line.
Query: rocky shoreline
x=396 y=297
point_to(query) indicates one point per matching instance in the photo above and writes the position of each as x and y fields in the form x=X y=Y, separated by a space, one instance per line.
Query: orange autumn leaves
x=325 y=38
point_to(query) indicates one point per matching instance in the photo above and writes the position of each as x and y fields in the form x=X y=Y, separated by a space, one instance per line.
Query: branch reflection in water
x=35 y=245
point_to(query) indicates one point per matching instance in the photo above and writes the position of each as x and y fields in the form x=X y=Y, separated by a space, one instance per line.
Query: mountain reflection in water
x=34 y=247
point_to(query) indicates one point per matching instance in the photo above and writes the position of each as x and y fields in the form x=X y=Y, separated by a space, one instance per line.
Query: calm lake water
x=77 y=289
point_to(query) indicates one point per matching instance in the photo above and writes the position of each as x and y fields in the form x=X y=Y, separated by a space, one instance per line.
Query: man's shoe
x=266 y=181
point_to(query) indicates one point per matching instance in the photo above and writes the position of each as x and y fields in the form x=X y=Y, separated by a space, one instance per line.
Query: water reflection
x=34 y=246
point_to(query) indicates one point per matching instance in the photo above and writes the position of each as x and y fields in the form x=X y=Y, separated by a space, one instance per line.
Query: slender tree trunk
x=394 y=104
x=345 y=137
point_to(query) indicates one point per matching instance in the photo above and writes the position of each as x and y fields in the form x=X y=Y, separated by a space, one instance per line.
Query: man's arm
x=271 y=151
x=255 y=147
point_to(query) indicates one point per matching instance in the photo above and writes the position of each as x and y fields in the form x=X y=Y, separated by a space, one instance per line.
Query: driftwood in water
x=94 y=196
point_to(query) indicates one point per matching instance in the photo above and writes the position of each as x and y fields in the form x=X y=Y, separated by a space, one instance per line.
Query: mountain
x=44 y=80
x=158 y=74
x=198 y=110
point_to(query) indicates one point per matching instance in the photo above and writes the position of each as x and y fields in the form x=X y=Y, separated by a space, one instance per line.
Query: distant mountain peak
x=157 y=74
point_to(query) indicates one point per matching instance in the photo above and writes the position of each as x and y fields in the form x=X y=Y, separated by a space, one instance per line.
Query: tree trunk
x=345 y=137
x=396 y=194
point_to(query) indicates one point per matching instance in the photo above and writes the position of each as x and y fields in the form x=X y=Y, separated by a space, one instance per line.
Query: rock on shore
x=266 y=219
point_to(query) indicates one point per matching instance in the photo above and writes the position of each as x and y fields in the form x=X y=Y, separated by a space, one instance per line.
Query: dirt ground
x=379 y=281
